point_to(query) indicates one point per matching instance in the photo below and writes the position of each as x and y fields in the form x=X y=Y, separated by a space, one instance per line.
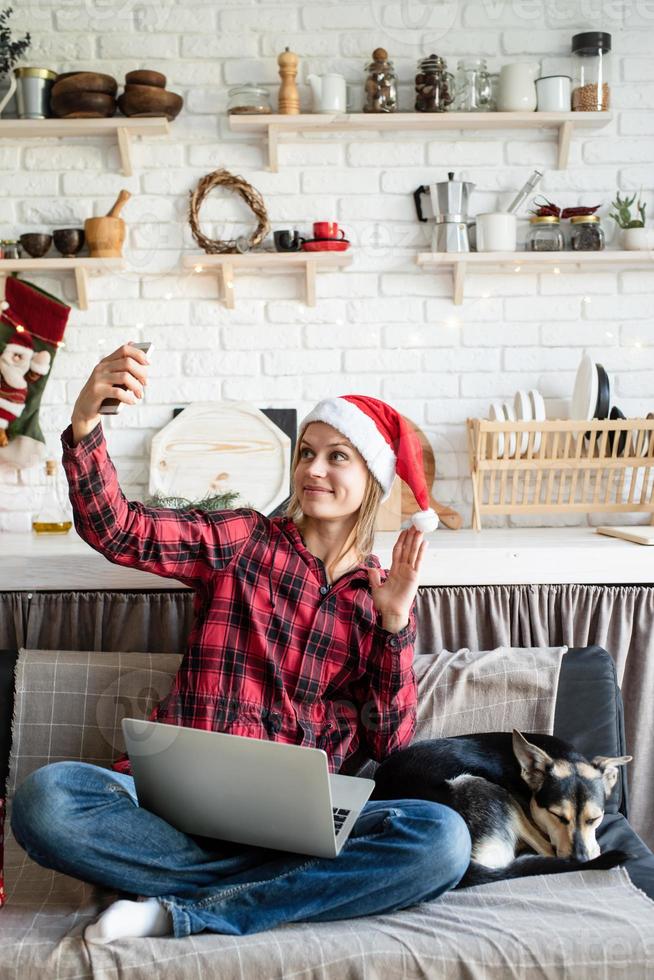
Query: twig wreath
x=252 y=197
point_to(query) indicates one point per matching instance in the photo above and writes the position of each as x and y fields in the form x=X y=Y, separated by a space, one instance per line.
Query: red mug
x=327 y=229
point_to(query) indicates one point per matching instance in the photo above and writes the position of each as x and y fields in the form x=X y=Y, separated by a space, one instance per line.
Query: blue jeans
x=85 y=821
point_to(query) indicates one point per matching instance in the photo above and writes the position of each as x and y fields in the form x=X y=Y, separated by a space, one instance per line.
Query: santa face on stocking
x=29 y=318
x=19 y=366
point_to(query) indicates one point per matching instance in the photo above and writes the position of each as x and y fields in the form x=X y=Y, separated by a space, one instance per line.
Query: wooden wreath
x=252 y=197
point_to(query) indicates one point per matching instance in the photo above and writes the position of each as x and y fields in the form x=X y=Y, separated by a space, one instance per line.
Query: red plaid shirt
x=275 y=651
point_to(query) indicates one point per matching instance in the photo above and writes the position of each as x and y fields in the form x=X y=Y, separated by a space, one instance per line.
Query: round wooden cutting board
x=216 y=447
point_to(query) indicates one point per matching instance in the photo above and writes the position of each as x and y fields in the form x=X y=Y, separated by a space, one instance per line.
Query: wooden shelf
x=226 y=266
x=272 y=127
x=462 y=263
x=122 y=128
x=82 y=267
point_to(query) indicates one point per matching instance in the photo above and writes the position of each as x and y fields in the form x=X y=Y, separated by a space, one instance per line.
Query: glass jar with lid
x=473 y=86
x=591 y=83
x=545 y=234
x=434 y=85
x=381 y=84
x=587 y=234
x=248 y=98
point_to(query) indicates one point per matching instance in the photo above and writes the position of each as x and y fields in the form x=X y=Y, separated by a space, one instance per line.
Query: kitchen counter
x=466 y=557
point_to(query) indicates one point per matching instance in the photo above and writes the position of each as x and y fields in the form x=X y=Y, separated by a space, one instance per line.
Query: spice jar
x=11 y=249
x=434 y=85
x=591 y=56
x=381 y=84
x=587 y=233
x=248 y=98
x=545 y=234
x=473 y=86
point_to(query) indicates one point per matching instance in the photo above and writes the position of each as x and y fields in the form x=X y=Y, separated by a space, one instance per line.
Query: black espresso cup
x=287 y=241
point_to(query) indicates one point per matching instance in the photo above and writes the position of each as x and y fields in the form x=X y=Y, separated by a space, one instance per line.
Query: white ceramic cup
x=496 y=232
x=553 y=93
x=516 y=89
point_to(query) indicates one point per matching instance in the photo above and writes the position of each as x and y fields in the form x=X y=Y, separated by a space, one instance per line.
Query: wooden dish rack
x=566 y=466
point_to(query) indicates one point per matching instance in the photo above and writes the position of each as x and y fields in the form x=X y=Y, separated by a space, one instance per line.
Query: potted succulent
x=10 y=52
x=634 y=235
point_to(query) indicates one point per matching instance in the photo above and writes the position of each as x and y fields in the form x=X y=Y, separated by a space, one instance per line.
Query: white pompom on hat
x=387 y=443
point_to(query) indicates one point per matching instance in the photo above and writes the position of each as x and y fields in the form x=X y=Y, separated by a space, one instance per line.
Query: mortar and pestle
x=105 y=235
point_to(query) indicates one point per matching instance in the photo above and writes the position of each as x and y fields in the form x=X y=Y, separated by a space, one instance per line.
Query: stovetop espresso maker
x=449 y=201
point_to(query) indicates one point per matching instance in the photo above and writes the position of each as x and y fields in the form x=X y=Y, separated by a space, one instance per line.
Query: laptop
x=246 y=790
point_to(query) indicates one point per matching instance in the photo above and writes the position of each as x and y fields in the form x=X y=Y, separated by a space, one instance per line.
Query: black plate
x=622 y=438
x=603 y=394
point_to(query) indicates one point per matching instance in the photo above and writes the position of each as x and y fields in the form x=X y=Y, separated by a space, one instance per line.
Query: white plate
x=539 y=413
x=509 y=415
x=496 y=414
x=584 y=395
x=523 y=413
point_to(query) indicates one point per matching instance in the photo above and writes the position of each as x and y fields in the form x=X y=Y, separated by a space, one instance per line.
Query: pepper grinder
x=289 y=97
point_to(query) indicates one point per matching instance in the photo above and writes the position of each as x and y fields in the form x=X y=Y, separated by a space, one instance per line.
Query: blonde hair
x=362 y=536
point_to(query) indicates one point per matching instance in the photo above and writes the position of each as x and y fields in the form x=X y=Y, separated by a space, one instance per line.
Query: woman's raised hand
x=394 y=597
x=125 y=366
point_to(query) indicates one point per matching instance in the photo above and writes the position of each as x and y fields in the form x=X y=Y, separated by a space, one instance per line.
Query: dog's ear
x=608 y=766
x=534 y=762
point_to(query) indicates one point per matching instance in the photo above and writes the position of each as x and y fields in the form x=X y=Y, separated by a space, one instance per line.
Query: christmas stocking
x=32 y=325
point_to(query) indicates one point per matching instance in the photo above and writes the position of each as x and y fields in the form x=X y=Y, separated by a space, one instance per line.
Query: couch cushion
x=589 y=712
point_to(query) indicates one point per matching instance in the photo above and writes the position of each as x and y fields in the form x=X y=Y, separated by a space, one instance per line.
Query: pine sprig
x=211 y=502
x=10 y=51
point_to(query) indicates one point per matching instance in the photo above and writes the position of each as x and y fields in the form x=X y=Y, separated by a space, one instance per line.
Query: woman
x=297 y=638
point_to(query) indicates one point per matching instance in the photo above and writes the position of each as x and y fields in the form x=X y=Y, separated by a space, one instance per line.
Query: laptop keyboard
x=339 y=818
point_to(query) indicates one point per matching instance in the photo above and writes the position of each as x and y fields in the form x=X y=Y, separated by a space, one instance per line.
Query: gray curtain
x=618 y=618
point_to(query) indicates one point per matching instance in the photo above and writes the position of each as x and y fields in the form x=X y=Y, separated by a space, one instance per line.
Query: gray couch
x=585 y=924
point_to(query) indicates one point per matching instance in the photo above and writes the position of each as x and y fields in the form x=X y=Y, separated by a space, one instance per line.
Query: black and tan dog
x=515 y=795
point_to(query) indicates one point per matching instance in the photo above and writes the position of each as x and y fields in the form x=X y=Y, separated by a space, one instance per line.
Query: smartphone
x=112 y=406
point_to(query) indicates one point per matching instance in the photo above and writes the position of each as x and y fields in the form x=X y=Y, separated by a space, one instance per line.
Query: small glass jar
x=248 y=99
x=473 y=86
x=587 y=234
x=591 y=83
x=494 y=82
x=545 y=234
x=434 y=85
x=381 y=84
x=11 y=249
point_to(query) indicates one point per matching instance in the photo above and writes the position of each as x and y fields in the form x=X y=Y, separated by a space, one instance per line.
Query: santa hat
x=387 y=443
x=20 y=339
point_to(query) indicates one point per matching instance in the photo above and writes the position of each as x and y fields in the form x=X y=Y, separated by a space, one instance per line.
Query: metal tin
x=33 y=92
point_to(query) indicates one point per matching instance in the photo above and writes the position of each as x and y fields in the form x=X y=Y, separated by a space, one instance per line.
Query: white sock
x=126 y=920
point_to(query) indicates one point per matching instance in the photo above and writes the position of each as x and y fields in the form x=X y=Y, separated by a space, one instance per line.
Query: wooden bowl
x=68 y=241
x=85 y=81
x=82 y=105
x=36 y=243
x=144 y=76
x=146 y=100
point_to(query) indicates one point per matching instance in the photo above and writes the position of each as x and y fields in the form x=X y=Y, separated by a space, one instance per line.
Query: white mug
x=496 y=232
x=516 y=89
x=329 y=92
x=553 y=92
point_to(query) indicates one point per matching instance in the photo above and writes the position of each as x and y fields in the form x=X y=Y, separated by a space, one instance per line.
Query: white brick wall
x=383 y=327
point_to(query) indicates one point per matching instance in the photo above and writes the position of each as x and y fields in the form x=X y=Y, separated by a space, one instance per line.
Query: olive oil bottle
x=52 y=517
